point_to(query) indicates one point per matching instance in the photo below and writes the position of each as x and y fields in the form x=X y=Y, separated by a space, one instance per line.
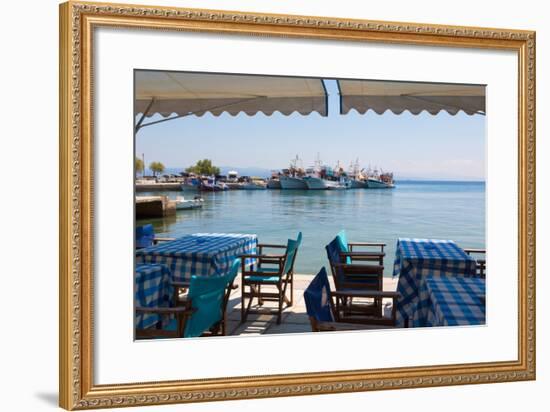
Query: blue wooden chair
x=349 y=249
x=270 y=272
x=201 y=312
x=145 y=237
x=349 y=275
x=479 y=256
x=325 y=314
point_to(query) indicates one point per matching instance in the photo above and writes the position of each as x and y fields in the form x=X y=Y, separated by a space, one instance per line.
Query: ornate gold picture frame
x=78 y=20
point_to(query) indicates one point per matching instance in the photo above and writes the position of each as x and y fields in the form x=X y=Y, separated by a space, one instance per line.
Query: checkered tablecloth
x=418 y=258
x=451 y=301
x=152 y=289
x=201 y=254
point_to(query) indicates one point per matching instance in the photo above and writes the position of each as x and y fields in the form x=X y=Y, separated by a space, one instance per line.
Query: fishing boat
x=274 y=182
x=292 y=178
x=340 y=179
x=315 y=182
x=380 y=180
x=191 y=184
x=357 y=178
x=182 y=203
x=316 y=175
x=209 y=185
x=314 y=179
x=292 y=182
x=359 y=184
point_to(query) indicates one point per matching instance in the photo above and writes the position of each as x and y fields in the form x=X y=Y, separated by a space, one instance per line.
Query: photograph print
x=275 y=205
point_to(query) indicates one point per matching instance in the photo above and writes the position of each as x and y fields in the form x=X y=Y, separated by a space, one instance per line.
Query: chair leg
x=253 y=294
x=291 y=288
x=260 y=301
x=281 y=298
x=288 y=281
x=243 y=311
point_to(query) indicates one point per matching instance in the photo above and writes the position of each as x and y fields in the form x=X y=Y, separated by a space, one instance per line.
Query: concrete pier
x=154 y=206
x=152 y=187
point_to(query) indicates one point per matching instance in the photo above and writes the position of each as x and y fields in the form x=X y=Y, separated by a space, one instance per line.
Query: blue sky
x=422 y=146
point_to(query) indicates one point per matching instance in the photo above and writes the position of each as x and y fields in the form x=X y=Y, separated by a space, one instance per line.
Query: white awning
x=185 y=94
x=364 y=95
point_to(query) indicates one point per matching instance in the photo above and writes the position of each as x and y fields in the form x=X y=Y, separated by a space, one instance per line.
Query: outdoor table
x=153 y=288
x=200 y=254
x=418 y=258
x=451 y=301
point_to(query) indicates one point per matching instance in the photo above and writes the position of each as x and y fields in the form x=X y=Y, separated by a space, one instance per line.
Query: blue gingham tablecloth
x=153 y=288
x=451 y=301
x=418 y=258
x=201 y=254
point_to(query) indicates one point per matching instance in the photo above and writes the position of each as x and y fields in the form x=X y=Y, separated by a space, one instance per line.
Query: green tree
x=139 y=166
x=156 y=167
x=204 y=167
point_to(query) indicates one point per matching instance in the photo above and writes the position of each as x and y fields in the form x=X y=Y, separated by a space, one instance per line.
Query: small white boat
x=332 y=185
x=341 y=183
x=221 y=186
x=182 y=203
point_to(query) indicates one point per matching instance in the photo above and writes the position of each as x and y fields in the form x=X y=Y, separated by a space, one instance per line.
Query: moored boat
x=232 y=176
x=182 y=203
x=291 y=182
x=315 y=183
x=357 y=177
x=373 y=183
x=221 y=186
x=315 y=176
x=359 y=184
x=380 y=180
x=191 y=185
x=234 y=185
x=209 y=185
x=292 y=178
x=254 y=184
x=341 y=184
x=274 y=183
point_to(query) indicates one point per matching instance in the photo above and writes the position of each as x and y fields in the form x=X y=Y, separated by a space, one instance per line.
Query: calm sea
x=420 y=209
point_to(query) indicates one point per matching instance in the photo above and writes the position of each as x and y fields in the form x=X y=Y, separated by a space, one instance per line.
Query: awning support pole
x=145 y=113
x=165 y=120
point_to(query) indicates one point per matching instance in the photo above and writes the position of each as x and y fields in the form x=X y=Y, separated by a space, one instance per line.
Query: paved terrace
x=294 y=319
